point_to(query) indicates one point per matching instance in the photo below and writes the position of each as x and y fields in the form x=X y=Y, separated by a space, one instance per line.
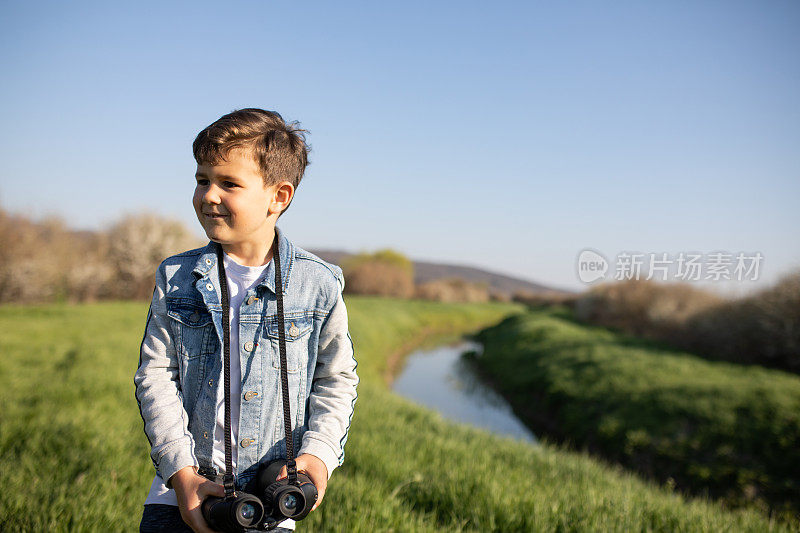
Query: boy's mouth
x=214 y=215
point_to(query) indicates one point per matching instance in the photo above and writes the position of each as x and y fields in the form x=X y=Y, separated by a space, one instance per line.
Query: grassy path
x=73 y=456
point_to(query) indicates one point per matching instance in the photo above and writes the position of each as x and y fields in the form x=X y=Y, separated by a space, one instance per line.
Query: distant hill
x=425 y=271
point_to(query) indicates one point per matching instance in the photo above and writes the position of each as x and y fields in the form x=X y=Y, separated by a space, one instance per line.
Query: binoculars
x=264 y=504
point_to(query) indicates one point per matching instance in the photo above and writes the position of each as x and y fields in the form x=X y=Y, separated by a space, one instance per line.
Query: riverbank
x=708 y=427
x=73 y=455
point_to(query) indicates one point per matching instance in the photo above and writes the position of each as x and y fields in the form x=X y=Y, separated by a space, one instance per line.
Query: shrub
x=138 y=243
x=544 y=298
x=45 y=261
x=37 y=259
x=383 y=273
x=643 y=307
x=760 y=329
x=453 y=290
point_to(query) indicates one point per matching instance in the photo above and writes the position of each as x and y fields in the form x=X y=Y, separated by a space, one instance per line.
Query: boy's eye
x=202 y=181
x=229 y=184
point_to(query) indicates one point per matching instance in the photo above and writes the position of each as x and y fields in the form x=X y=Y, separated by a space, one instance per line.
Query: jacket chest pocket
x=193 y=329
x=297 y=329
x=195 y=338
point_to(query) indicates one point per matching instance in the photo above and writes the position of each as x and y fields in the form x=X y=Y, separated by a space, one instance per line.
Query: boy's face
x=232 y=203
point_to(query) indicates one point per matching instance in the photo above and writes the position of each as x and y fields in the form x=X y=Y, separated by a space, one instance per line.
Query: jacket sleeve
x=333 y=390
x=158 y=391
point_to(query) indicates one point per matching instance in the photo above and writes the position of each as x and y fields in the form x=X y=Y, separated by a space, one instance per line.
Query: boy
x=249 y=164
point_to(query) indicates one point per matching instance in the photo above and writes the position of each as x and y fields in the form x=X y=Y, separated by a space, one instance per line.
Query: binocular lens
x=247 y=511
x=290 y=502
x=283 y=499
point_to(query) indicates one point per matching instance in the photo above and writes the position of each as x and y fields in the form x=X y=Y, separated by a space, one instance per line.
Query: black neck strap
x=229 y=479
x=291 y=467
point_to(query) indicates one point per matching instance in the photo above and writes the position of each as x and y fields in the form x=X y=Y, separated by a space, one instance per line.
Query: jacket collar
x=208 y=262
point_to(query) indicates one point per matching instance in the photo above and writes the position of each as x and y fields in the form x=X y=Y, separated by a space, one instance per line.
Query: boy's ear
x=284 y=192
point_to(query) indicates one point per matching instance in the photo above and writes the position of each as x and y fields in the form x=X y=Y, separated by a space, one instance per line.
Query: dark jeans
x=167 y=519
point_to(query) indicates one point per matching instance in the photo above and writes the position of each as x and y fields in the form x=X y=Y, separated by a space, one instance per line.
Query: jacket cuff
x=321 y=450
x=174 y=459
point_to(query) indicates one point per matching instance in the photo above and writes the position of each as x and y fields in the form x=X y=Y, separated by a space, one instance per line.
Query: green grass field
x=73 y=456
x=723 y=429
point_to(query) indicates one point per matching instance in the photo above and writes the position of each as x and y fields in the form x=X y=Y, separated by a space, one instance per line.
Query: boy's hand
x=191 y=489
x=315 y=469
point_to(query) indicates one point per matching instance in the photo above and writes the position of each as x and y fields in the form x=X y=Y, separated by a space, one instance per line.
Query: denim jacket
x=180 y=363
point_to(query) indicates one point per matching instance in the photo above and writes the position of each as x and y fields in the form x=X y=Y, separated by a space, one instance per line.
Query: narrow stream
x=440 y=379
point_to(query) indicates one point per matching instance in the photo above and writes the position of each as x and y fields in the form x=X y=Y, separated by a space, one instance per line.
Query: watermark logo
x=591 y=266
x=684 y=266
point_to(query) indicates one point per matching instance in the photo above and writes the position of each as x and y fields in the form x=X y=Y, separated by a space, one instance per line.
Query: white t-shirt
x=240 y=280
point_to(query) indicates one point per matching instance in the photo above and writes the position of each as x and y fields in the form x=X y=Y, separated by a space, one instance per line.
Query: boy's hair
x=279 y=149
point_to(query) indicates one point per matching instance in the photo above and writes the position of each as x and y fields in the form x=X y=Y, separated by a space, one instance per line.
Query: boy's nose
x=211 y=195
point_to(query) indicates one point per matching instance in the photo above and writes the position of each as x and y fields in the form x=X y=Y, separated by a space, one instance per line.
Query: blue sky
x=506 y=135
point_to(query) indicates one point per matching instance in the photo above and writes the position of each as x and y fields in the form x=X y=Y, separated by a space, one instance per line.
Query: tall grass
x=73 y=456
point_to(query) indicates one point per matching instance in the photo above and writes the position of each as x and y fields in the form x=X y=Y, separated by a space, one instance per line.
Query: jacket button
x=247 y=442
x=208 y=261
x=252 y=300
x=195 y=316
x=205 y=434
x=249 y=346
x=249 y=395
x=210 y=382
x=209 y=287
x=294 y=331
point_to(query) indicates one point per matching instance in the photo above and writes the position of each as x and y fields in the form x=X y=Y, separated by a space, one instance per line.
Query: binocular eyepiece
x=265 y=503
